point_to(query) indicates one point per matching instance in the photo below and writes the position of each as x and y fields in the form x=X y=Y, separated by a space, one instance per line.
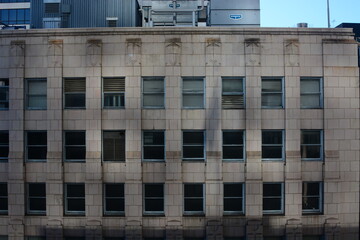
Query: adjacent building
x=14 y=14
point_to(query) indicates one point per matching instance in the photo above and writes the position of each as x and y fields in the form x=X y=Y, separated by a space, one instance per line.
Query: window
x=153 y=198
x=312 y=197
x=273 y=202
x=114 y=92
x=311 y=145
x=272 y=93
x=52 y=8
x=111 y=21
x=75 y=146
x=114 y=200
x=193 y=198
x=74 y=198
x=154 y=145
x=233 y=198
x=114 y=145
x=3 y=198
x=272 y=145
x=15 y=16
x=193 y=92
x=4 y=146
x=36 y=196
x=36 y=93
x=74 y=90
x=311 y=93
x=233 y=93
x=4 y=94
x=233 y=145
x=36 y=145
x=193 y=145
x=153 y=92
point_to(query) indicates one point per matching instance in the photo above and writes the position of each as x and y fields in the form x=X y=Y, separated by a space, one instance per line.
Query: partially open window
x=311 y=145
x=114 y=92
x=312 y=197
x=74 y=92
x=114 y=199
x=232 y=93
x=36 y=198
x=154 y=145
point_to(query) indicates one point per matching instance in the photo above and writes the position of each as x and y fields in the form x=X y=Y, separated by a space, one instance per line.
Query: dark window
x=36 y=145
x=193 y=145
x=111 y=23
x=311 y=93
x=114 y=145
x=52 y=8
x=36 y=194
x=272 y=93
x=114 y=200
x=233 y=145
x=153 y=92
x=75 y=92
x=114 y=92
x=36 y=93
x=75 y=198
x=3 y=198
x=312 y=197
x=193 y=92
x=193 y=198
x=4 y=94
x=233 y=198
x=272 y=145
x=232 y=93
x=75 y=146
x=154 y=145
x=153 y=198
x=311 y=144
x=4 y=145
x=273 y=202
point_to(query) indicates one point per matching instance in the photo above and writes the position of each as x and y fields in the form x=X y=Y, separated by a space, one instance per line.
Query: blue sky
x=287 y=13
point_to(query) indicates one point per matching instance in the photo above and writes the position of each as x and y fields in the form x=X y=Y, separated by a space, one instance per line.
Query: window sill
x=228 y=214
x=233 y=160
x=311 y=213
x=153 y=160
x=273 y=214
x=271 y=107
x=114 y=161
x=194 y=214
x=74 y=161
x=36 y=214
x=153 y=214
x=35 y=160
x=108 y=215
x=113 y=108
x=74 y=215
x=75 y=108
x=272 y=160
x=312 y=159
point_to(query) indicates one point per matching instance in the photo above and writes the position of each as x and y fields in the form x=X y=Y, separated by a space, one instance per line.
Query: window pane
x=232 y=85
x=233 y=190
x=154 y=152
x=36 y=153
x=4 y=152
x=271 y=152
x=37 y=102
x=154 y=190
x=76 y=205
x=114 y=190
x=193 y=85
x=114 y=100
x=153 y=86
x=232 y=138
x=193 y=152
x=3 y=189
x=75 y=152
x=155 y=205
x=75 y=100
x=193 y=205
x=193 y=100
x=37 y=204
x=37 y=87
x=272 y=204
x=311 y=189
x=37 y=138
x=114 y=146
x=153 y=138
x=233 y=152
x=193 y=190
x=271 y=100
x=153 y=100
x=37 y=190
x=310 y=100
x=310 y=152
x=233 y=204
x=271 y=85
x=3 y=204
x=272 y=137
x=311 y=137
x=193 y=138
x=116 y=205
x=310 y=86
x=270 y=190
x=75 y=138
x=310 y=203
x=75 y=190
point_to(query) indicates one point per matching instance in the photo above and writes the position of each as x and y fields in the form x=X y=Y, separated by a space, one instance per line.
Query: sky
x=287 y=13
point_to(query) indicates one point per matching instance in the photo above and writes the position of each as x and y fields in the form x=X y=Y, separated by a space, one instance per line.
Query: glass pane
x=232 y=85
x=193 y=101
x=3 y=189
x=114 y=100
x=310 y=203
x=114 y=146
x=193 y=190
x=271 y=100
x=4 y=152
x=154 y=152
x=154 y=190
x=35 y=153
x=311 y=189
x=37 y=102
x=310 y=100
x=310 y=137
x=310 y=151
x=232 y=152
x=154 y=138
x=310 y=86
x=270 y=190
x=37 y=190
x=233 y=204
x=75 y=190
x=4 y=94
x=37 y=138
x=193 y=205
x=75 y=153
x=190 y=138
x=272 y=204
x=232 y=137
x=4 y=137
x=75 y=138
x=37 y=87
x=193 y=152
x=191 y=85
x=156 y=205
x=37 y=204
x=3 y=204
x=75 y=100
x=271 y=152
x=114 y=190
x=233 y=190
x=271 y=85
x=116 y=205
x=271 y=137
x=153 y=100
x=76 y=205
x=153 y=85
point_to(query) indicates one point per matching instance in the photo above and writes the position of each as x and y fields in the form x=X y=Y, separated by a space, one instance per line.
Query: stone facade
x=173 y=53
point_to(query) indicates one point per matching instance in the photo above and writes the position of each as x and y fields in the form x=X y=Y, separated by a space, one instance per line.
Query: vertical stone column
x=16 y=177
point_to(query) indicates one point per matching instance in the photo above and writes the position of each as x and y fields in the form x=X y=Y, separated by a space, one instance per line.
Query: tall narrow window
x=36 y=145
x=74 y=198
x=273 y=202
x=4 y=94
x=75 y=146
x=312 y=197
x=36 y=198
x=194 y=198
x=233 y=145
x=193 y=92
x=233 y=198
x=311 y=93
x=36 y=93
x=154 y=145
x=311 y=145
x=272 y=93
x=3 y=198
x=272 y=145
x=114 y=145
x=114 y=199
x=154 y=198
x=114 y=92
x=75 y=92
x=232 y=93
x=4 y=146
x=194 y=145
x=153 y=92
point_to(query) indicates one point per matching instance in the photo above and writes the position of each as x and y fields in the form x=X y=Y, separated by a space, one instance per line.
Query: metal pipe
x=328 y=13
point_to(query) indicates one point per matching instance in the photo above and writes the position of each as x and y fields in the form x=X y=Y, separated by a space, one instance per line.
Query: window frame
x=321 y=132
x=320 y=199
x=103 y=145
x=280 y=211
x=203 y=146
x=321 y=93
x=73 y=93
x=193 y=92
x=143 y=93
x=27 y=146
x=28 y=95
x=273 y=93
x=234 y=145
x=242 y=94
x=194 y=213
x=6 y=198
x=160 y=213
x=274 y=145
x=28 y=198
x=113 y=213
x=5 y=146
x=242 y=199
x=66 y=204
x=6 y=88
x=153 y=145
x=65 y=146
x=116 y=93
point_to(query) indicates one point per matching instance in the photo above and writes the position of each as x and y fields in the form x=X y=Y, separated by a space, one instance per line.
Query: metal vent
x=112 y=23
x=75 y=85
x=114 y=85
x=52 y=8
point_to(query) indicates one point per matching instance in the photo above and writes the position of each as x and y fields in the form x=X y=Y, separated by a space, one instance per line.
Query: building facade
x=15 y=14
x=179 y=133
